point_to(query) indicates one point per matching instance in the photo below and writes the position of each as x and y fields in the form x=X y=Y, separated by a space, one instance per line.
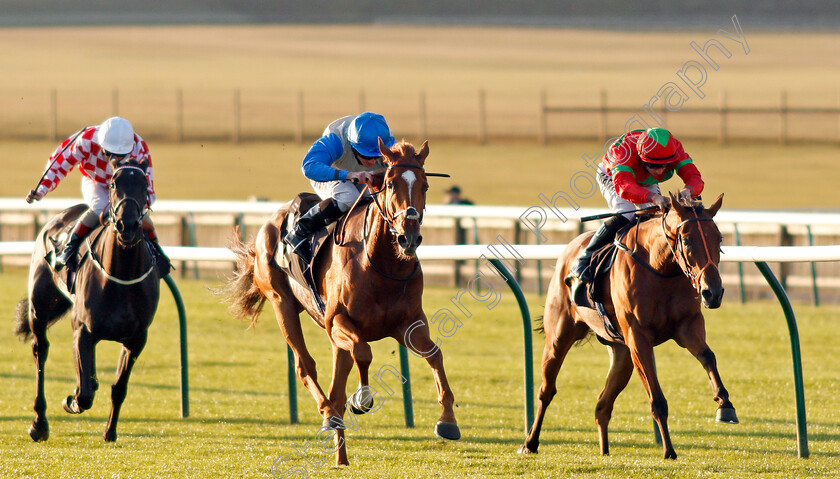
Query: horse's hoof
x=447 y=430
x=670 y=454
x=726 y=415
x=361 y=402
x=70 y=405
x=333 y=422
x=39 y=433
x=524 y=449
x=110 y=436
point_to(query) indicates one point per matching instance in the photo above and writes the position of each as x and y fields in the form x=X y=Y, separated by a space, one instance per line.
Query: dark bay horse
x=652 y=295
x=114 y=297
x=373 y=285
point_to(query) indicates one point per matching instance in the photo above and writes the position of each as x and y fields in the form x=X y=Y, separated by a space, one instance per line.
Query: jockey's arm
x=318 y=160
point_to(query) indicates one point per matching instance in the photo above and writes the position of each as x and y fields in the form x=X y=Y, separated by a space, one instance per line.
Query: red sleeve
x=691 y=176
x=627 y=188
x=65 y=157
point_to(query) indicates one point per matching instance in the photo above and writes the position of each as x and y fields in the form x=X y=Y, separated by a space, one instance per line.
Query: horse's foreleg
x=642 y=353
x=344 y=335
x=553 y=356
x=693 y=338
x=418 y=340
x=128 y=356
x=621 y=369
x=40 y=429
x=83 y=355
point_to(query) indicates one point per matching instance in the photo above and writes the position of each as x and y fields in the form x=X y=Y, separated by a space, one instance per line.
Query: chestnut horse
x=116 y=295
x=652 y=293
x=373 y=285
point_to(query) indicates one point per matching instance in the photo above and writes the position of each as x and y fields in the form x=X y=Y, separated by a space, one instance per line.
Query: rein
x=410 y=213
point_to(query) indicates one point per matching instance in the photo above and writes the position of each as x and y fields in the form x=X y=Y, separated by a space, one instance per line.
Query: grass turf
x=238 y=425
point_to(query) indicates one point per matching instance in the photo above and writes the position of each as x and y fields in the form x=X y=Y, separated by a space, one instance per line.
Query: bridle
x=114 y=208
x=410 y=213
x=678 y=248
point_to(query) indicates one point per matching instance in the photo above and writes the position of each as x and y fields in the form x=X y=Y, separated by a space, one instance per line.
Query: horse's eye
x=390 y=185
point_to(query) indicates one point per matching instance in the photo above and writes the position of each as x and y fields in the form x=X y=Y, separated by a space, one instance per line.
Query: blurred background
x=512 y=96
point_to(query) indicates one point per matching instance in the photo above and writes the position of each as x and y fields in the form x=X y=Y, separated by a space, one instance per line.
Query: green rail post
x=406 y=387
x=526 y=337
x=292 y=378
x=182 y=326
x=798 y=383
x=813 y=270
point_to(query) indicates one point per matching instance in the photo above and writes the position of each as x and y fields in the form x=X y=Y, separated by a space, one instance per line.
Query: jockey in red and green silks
x=629 y=177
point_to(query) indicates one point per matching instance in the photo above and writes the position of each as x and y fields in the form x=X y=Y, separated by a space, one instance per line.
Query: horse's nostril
x=402 y=240
x=419 y=239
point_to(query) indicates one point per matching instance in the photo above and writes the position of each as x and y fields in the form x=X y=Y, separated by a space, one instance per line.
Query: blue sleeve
x=316 y=163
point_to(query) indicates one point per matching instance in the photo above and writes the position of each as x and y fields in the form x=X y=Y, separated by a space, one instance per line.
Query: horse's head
x=129 y=199
x=695 y=241
x=402 y=195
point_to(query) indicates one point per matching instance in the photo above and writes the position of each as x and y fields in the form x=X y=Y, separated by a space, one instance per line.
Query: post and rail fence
x=239 y=115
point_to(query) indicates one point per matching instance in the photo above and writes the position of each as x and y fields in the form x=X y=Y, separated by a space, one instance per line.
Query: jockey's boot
x=69 y=255
x=580 y=272
x=163 y=263
x=313 y=220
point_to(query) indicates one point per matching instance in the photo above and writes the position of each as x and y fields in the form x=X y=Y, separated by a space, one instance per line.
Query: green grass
x=239 y=405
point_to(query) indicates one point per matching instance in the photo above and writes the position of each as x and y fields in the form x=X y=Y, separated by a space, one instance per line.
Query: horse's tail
x=246 y=299
x=22 y=328
x=538 y=325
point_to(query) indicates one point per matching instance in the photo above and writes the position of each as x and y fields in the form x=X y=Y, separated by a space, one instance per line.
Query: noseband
x=678 y=248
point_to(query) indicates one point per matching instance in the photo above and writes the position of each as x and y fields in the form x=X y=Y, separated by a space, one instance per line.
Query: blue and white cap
x=364 y=133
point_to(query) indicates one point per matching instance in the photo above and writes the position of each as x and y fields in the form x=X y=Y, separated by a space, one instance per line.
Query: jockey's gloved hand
x=662 y=202
x=34 y=195
x=685 y=194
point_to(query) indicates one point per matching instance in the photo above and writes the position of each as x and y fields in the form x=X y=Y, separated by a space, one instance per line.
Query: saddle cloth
x=292 y=264
x=600 y=265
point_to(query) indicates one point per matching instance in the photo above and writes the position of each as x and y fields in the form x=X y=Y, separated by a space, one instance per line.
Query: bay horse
x=653 y=293
x=114 y=296
x=373 y=285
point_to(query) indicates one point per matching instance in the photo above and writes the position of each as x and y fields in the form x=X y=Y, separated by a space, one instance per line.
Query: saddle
x=600 y=264
x=292 y=264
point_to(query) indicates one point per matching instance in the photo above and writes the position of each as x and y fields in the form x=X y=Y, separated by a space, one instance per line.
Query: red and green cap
x=657 y=145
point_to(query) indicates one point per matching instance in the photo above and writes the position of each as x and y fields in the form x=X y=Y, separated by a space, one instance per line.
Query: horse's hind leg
x=642 y=353
x=621 y=370
x=345 y=336
x=289 y=321
x=86 y=385
x=692 y=336
x=43 y=306
x=342 y=364
x=554 y=354
x=417 y=339
x=128 y=355
x=39 y=430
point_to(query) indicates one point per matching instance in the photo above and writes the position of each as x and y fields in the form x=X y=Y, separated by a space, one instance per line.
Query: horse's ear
x=389 y=155
x=675 y=203
x=716 y=205
x=424 y=152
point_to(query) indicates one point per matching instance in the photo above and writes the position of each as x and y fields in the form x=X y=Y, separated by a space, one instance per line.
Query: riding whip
x=609 y=215
x=58 y=155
